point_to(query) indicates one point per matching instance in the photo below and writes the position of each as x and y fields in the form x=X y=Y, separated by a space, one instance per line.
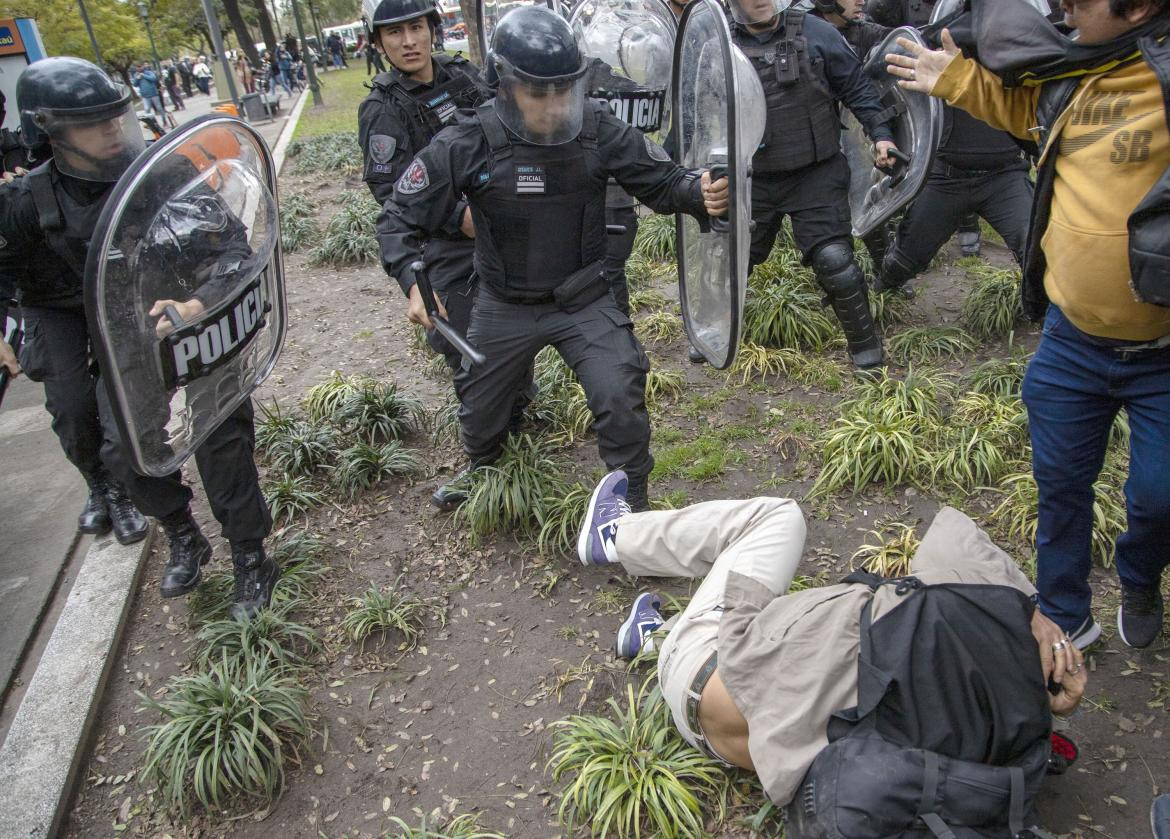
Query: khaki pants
x=761 y=538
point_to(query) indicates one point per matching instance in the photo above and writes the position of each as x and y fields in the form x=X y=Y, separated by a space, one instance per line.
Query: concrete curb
x=290 y=125
x=49 y=737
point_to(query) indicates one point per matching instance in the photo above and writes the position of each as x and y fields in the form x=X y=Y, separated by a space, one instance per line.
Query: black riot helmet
x=387 y=12
x=828 y=7
x=540 y=72
x=85 y=117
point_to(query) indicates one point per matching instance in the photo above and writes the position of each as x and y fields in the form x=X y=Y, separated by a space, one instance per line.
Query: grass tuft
x=514 y=493
x=363 y=466
x=436 y=826
x=326 y=154
x=561 y=521
x=920 y=344
x=350 y=236
x=395 y=610
x=890 y=556
x=290 y=496
x=271 y=635
x=787 y=314
x=992 y=307
x=655 y=239
x=1001 y=378
x=298 y=222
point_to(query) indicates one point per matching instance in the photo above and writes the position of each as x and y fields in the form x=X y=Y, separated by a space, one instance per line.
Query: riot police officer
x=978 y=171
x=46 y=220
x=806 y=68
x=533 y=164
x=406 y=107
x=917 y=13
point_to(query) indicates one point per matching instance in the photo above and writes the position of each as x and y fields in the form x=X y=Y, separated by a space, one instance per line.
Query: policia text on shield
x=139 y=232
x=533 y=164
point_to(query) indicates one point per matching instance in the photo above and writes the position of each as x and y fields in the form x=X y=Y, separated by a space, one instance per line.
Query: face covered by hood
x=1016 y=41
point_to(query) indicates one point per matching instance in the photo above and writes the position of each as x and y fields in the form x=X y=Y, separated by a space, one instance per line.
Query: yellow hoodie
x=1112 y=145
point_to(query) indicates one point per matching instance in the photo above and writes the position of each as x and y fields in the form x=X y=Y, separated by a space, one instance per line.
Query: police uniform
x=46 y=220
x=539 y=213
x=806 y=68
x=978 y=171
x=396 y=121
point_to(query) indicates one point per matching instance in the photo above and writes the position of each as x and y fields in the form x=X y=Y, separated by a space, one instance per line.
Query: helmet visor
x=94 y=146
x=756 y=12
x=541 y=111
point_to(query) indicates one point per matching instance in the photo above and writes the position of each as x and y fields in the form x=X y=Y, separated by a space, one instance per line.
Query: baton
x=719 y=224
x=470 y=353
x=615 y=229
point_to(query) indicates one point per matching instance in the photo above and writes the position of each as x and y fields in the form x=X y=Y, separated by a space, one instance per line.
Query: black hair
x=1120 y=8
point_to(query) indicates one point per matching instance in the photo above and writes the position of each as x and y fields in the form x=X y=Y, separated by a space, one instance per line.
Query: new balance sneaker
x=596 y=545
x=1160 y=817
x=1139 y=617
x=1085 y=635
x=643 y=620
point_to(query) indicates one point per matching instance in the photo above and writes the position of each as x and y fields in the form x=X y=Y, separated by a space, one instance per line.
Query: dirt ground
x=461 y=723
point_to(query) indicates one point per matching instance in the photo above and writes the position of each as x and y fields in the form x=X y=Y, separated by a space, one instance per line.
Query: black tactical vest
x=429 y=110
x=67 y=223
x=540 y=213
x=969 y=143
x=802 y=125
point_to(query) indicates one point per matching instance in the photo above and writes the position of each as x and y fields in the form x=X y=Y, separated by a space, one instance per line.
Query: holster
x=582 y=287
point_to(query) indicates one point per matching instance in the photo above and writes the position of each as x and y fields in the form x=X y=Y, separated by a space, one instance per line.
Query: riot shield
x=632 y=44
x=944 y=9
x=489 y=12
x=719 y=113
x=876 y=194
x=184 y=288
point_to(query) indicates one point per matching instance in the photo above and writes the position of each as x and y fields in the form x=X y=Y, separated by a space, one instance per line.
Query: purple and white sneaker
x=596 y=545
x=634 y=634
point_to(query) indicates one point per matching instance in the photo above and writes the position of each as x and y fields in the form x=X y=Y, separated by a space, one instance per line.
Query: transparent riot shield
x=632 y=44
x=719 y=112
x=489 y=12
x=184 y=288
x=944 y=9
x=876 y=194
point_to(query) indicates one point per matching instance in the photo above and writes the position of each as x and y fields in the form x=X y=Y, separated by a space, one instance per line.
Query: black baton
x=440 y=323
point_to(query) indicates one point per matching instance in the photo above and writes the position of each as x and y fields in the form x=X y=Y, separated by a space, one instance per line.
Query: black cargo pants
x=598 y=343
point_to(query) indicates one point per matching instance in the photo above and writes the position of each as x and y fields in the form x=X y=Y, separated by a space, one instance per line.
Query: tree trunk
x=232 y=8
x=469 y=17
x=266 y=29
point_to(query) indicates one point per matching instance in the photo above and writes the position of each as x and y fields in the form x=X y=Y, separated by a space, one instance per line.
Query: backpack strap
x=48 y=210
x=926 y=804
x=493 y=130
x=1016 y=806
x=865 y=577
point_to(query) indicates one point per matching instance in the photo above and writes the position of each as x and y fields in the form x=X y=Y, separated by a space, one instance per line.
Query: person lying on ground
x=754 y=676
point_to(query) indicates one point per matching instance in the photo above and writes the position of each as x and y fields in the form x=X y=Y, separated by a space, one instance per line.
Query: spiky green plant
x=292 y=545
x=298 y=222
x=444 y=423
x=647 y=298
x=662 y=384
x=889 y=308
x=290 y=496
x=328 y=153
x=992 y=307
x=631 y=774
x=641 y=271
x=435 y=826
x=362 y=467
x=226 y=733
x=890 y=554
x=211 y=599
x=350 y=236
x=999 y=377
x=560 y=403
x=373 y=410
x=917 y=395
x=272 y=634
x=787 y=314
x=394 y=610
x=753 y=362
x=784 y=265
x=562 y=520
x=866 y=446
x=655 y=239
x=510 y=496
x=273 y=425
x=920 y=344
x=301 y=448
x=662 y=325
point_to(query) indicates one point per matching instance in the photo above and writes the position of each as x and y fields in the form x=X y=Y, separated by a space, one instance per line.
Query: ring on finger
x=1058 y=646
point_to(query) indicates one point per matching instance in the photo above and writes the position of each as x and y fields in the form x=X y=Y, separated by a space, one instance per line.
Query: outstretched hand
x=919 y=71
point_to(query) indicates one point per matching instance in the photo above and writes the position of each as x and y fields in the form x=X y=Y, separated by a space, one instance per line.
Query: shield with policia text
x=916 y=119
x=184 y=288
x=631 y=43
x=719 y=114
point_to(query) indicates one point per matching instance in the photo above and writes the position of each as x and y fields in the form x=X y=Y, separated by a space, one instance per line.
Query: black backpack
x=950 y=735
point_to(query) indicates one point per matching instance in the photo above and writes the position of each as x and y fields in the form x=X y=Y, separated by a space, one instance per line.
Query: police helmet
x=86 y=117
x=540 y=73
x=756 y=12
x=387 y=12
x=828 y=7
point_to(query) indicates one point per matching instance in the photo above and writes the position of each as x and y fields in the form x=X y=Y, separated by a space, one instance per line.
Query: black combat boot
x=190 y=551
x=256 y=576
x=636 y=495
x=95 y=515
x=129 y=524
x=453 y=493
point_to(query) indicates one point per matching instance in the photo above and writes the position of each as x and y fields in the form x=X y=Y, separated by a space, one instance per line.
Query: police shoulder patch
x=382 y=147
x=414 y=179
x=655 y=151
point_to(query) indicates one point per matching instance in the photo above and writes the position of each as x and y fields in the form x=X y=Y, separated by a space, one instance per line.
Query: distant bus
x=349 y=32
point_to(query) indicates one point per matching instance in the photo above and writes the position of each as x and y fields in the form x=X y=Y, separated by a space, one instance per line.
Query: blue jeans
x=1073 y=390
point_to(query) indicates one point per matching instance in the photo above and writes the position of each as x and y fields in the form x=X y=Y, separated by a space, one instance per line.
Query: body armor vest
x=66 y=222
x=802 y=125
x=969 y=143
x=540 y=214
x=429 y=110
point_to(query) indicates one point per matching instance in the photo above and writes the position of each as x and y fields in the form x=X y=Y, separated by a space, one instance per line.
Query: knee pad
x=895 y=272
x=837 y=271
